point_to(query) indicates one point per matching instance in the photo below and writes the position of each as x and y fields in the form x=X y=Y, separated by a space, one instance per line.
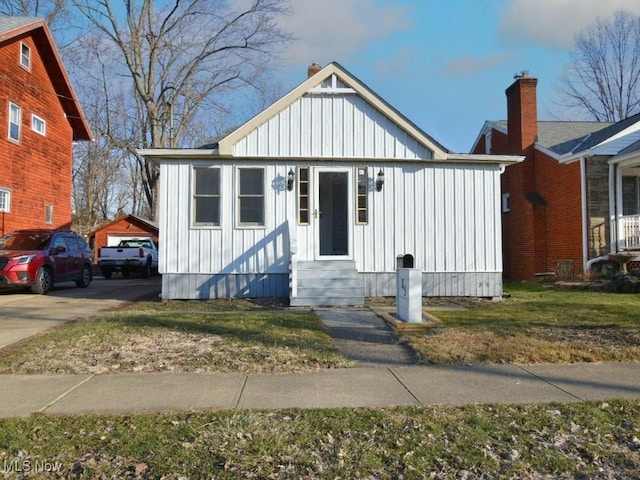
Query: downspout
x=585 y=225
x=613 y=215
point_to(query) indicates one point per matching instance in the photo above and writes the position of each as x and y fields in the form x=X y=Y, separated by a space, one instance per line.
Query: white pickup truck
x=134 y=255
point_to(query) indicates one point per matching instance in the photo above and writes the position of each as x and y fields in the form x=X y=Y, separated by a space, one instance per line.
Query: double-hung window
x=48 y=214
x=38 y=125
x=5 y=200
x=25 y=56
x=206 y=197
x=251 y=196
x=14 y=122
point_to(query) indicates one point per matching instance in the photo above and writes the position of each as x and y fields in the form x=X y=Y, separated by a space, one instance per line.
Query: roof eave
x=485 y=158
x=177 y=153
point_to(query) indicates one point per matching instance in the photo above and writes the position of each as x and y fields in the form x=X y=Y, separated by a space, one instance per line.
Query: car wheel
x=106 y=273
x=85 y=277
x=146 y=270
x=44 y=281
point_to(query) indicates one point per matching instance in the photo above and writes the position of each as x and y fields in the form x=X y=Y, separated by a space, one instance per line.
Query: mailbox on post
x=408 y=290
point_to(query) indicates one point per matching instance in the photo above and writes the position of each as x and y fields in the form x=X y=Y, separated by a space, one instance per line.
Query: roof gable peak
x=332 y=79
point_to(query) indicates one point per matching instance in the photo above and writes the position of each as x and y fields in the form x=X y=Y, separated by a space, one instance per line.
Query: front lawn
x=180 y=337
x=586 y=440
x=536 y=324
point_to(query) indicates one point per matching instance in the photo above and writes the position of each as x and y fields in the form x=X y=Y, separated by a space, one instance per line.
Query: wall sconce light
x=290 y=178
x=380 y=181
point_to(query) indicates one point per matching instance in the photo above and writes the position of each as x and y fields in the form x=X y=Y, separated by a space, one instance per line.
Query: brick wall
x=38 y=169
x=543 y=228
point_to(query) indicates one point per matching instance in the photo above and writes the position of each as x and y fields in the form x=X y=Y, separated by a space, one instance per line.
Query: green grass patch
x=536 y=324
x=575 y=440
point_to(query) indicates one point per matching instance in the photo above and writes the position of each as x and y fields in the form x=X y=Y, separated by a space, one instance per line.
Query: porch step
x=328 y=283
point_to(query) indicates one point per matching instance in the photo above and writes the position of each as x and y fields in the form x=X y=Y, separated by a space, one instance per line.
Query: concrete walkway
x=362 y=336
x=386 y=375
x=23 y=395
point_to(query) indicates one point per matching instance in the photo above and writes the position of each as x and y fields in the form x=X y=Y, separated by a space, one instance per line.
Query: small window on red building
x=25 y=56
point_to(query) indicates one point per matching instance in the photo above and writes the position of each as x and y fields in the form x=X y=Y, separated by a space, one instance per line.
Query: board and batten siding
x=229 y=248
x=330 y=126
x=446 y=215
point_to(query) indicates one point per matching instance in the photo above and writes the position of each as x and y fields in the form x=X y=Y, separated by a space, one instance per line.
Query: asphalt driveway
x=25 y=314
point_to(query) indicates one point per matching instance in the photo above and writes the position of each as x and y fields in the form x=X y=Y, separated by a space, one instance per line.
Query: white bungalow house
x=316 y=197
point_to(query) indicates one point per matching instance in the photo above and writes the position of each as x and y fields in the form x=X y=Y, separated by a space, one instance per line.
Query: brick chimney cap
x=313 y=69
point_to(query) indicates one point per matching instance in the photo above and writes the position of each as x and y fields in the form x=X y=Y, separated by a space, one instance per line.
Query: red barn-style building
x=41 y=119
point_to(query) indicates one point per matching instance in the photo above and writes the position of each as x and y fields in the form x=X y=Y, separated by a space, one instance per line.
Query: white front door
x=332 y=214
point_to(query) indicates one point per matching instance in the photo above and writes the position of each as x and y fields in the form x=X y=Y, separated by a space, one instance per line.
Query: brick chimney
x=522 y=112
x=313 y=69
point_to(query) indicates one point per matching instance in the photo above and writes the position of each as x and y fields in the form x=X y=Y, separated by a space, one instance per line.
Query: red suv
x=39 y=258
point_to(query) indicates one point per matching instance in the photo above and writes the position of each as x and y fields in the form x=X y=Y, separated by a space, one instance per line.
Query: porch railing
x=629 y=232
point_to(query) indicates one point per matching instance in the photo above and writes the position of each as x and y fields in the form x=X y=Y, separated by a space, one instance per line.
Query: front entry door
x=332 y=214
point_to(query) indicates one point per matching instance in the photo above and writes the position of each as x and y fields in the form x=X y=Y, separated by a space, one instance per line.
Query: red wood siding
x=38 y=170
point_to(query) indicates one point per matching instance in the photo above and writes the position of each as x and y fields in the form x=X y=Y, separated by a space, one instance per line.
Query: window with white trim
x=487 y=142
x=14 y=122
x=5 y=200
x=48 y=214
x=362 y=196
x=506 y=203
x=38 y=125
x=303 y=195
x=251 y=196
x=25 y=56
x=206 y=196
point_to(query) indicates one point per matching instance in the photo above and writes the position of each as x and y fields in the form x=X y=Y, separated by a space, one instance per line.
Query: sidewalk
x=386 y=375
x=23 y=395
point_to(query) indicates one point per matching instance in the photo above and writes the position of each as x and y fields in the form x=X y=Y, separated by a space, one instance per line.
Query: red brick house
x=41 y=118
x=125 y=228
x=558 y=204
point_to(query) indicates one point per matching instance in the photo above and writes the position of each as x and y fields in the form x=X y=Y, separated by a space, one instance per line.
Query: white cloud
x=554 y=23
x=332 y=30
x=472 y=65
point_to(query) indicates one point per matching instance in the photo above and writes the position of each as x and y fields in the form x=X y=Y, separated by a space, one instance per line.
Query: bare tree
x=175 y=64
x=56 y=13
x=603 y=76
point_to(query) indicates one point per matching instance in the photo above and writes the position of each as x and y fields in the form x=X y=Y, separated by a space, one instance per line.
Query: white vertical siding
x=330 y=126
x=228 y=248
x=446 y=215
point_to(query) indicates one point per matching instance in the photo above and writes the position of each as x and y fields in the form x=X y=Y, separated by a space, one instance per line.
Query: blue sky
x=445 y=64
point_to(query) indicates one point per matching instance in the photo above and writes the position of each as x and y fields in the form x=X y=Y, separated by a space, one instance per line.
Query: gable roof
x=13 y=27
x=568 y=141
x=129 y=218
x=333 y=79
x=555 y=137
x=351 y=84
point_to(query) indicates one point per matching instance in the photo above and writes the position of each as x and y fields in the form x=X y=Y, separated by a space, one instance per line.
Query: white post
x=409 y=295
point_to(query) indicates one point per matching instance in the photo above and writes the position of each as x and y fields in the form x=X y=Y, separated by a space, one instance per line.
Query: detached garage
x=126 y=228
